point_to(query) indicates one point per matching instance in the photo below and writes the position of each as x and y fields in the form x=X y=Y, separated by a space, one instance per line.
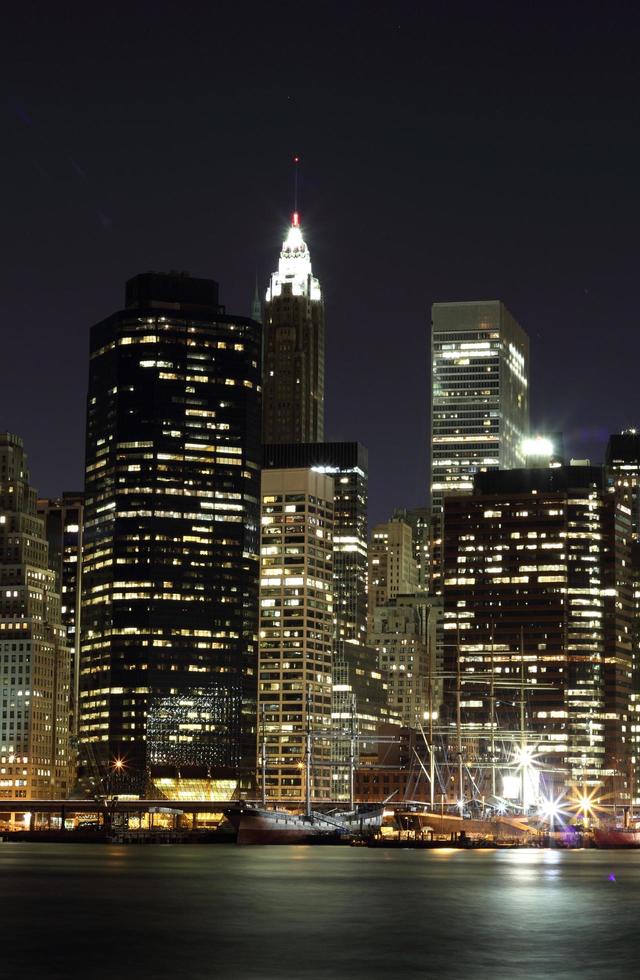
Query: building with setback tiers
x=34 y=657
x=293 y=321
x=170 y=583
x=536 y=580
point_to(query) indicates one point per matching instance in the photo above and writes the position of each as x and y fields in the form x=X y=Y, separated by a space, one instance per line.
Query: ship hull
x=611 y=837
x=257 y=826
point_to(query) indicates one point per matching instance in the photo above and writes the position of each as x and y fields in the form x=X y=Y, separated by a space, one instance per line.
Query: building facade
x=170 y=580
x=34 y=658
x=359 y=692
x=392 y=566
x=404 y=636
x=63 y=527
x=296 y=632
x=294 y=355
x=537 y=597
x=480 y=396
x=622 y=461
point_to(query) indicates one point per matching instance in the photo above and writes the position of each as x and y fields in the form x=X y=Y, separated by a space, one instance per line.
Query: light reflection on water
x=254 y=913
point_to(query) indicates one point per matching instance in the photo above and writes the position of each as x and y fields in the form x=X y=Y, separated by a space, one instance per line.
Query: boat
x=616 y=837
x=258 y=825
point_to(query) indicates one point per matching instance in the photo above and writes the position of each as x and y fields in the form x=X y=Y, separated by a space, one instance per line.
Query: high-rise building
x=623 y=468
x=480 y=397
x=622 y=460
x=537 y=588
x=359 y=691
x=293 y=407
x=170 y=579
x=392 y=567
x=404 y=636
x=296 y=631
x=34 y=658
x=347 y=464
x=63 y=523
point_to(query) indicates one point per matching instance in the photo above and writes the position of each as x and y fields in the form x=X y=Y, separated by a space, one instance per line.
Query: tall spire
x=296 y=213
x=256 y=305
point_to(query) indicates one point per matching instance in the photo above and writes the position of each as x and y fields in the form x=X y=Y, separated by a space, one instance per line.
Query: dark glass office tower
x=170 y=584
x=293 y=347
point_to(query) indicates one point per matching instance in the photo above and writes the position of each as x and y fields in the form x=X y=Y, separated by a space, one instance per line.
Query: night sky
x=449 y=152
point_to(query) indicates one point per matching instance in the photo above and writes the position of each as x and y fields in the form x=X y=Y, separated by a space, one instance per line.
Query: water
x=314 y=913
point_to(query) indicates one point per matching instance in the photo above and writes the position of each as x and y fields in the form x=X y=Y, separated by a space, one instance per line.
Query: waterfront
x=315 y=913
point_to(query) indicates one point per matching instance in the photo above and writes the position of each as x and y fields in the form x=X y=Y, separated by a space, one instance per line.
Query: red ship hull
x=611 y=837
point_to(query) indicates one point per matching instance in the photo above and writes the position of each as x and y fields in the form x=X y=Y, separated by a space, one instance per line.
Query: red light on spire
x=295 y=221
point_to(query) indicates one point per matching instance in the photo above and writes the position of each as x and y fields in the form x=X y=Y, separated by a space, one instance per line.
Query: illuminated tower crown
x=294 y=266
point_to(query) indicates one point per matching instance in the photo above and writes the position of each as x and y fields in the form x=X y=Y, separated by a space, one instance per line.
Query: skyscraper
x=293 y=407
x=404 y=636
x=392 y=566
x=347 y=464
x=480 y=397
x=359 y=693
x=537 y=584
x=63 y=527
x=34 y=658
x=170 y=584
x=296 y=630
x=623 y=468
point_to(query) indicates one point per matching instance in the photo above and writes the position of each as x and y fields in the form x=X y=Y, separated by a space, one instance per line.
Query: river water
x=314 y=913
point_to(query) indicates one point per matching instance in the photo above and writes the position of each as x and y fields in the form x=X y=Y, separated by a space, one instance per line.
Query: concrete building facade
x=296 y=632
x=34 y=657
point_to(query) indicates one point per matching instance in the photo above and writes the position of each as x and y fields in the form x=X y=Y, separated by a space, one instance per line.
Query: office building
x=480 y=396
x=359 y=691
x=622 y=461
x=404 y=636
x=296 y=631
x=347 y=464
x=63 y=523
x=293 y=317
x=537 y=595
x=34 y=658
x=170 y=580
x=392 y=566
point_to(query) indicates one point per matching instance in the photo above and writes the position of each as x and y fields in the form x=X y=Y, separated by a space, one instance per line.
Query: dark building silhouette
x=170 y=584
x=293 y=347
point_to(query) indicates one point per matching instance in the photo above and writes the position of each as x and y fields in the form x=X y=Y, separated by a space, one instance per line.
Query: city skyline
x=458 y=202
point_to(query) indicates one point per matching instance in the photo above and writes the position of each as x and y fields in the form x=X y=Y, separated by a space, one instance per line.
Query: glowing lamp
x=537 y=446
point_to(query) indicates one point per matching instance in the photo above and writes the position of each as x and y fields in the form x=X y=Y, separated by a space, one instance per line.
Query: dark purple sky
x=449 y=151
